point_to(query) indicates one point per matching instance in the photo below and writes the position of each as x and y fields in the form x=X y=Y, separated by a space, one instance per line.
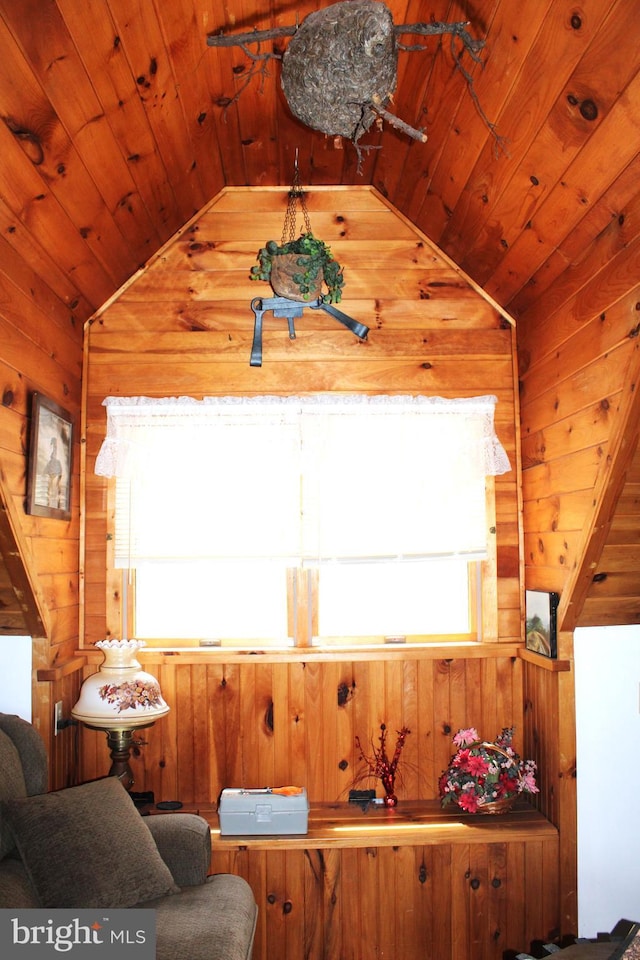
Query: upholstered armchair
x=88 y=846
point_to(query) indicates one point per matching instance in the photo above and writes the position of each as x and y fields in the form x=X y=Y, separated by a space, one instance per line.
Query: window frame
x=302 y=616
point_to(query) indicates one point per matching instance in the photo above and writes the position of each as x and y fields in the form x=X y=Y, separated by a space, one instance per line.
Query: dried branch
x=254 y=36
x=424 y=29
x=396 y=122
x=361 y=150
x=260 y=56
x=437 y=28
x=473 y=48
x=258 y=68
x=500 y=143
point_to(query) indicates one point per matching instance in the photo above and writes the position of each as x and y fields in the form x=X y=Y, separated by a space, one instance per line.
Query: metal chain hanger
x=296 y=196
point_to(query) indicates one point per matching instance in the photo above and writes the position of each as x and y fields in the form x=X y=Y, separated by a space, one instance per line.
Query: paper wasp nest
x=339 y=61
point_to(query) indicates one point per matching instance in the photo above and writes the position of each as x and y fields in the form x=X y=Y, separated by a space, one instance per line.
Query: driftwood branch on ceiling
x=425 y=29
x=339 y=70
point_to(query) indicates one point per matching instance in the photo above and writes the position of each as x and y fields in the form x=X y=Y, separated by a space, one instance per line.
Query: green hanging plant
x=309 y=264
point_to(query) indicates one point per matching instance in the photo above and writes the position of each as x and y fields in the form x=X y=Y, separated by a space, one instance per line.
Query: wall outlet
x=57 y=717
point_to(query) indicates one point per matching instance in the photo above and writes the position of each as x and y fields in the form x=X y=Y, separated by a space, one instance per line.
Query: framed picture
x=540 y=625
x=50 y=452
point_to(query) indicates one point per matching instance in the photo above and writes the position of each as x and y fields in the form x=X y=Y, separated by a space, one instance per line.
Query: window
x=280 y=521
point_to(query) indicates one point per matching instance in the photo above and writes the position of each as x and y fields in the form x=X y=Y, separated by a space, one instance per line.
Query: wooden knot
x=30 y=141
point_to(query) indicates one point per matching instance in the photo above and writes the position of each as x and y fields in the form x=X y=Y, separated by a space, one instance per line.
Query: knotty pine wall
x=184 y=326
x=41 y=339
x=269 y=719
x=579 y=364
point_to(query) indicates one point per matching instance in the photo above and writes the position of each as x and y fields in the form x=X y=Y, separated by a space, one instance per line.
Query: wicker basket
x=503 y=805
x=283 y=267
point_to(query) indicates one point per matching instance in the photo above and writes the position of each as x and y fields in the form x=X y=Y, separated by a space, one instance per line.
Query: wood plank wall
x=247 y=721
x=431 y=332
x=578 y=370
x=40 y=350
x=576 y=349
x=184 y=326
x=450 y=901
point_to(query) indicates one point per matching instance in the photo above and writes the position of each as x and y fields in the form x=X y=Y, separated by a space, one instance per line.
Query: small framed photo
x=50 y=453
x=540 y=623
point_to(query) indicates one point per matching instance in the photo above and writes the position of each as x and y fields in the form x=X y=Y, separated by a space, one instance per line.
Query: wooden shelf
x=411 y=823
x=193 y=655
x=436 y=864
x=545 y=663
x=60 y=670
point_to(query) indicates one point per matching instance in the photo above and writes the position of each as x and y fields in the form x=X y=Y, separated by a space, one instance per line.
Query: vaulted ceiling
x=117 y=127
x=118 y=122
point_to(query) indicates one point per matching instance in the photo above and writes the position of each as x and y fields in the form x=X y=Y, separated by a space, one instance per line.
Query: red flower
x=461 y=758
x=507 y=784
x=468 y=801
x=477 y=765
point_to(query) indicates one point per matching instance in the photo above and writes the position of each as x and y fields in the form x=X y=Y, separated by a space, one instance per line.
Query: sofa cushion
x=88 y=846
x=16 y=892
x=213 y=921
x=12 y=785
x=184 y=843
x=31 y=749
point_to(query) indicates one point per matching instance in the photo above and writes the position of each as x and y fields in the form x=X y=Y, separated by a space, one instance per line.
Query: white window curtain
x=300 y=479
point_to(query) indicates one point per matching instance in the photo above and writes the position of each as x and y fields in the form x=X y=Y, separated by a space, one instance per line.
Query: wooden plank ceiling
x=118 y=123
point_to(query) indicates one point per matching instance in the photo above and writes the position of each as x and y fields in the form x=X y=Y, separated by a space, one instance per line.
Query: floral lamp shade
x=121 y=695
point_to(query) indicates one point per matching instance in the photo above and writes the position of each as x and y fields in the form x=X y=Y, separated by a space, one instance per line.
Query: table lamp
x=120 y=699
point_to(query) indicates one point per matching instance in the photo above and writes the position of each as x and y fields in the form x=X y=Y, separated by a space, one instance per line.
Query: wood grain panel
x=397 y=900
x=318 y=337
x=565 y=47
x=115 y=130
x=130 y=351
x=462 y=314
x=606 y=219
x=570 y=197
x=233 y=724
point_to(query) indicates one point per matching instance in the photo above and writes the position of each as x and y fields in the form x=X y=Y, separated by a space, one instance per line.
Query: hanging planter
x=299 y=268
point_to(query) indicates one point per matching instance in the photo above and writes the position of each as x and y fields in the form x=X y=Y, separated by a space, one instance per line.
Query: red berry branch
x=379 y=763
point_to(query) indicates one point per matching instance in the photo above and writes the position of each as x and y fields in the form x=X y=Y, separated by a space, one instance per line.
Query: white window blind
x=301 y=479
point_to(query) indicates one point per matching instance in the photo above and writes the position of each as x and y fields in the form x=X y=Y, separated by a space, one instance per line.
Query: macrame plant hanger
x=288 y=303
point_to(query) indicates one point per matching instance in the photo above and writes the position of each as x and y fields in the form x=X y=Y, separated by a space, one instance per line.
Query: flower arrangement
x=485 y=777
x=381 y=766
